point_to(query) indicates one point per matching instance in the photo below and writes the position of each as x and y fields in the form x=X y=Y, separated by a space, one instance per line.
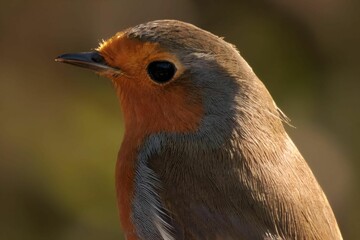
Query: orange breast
x=144 y=117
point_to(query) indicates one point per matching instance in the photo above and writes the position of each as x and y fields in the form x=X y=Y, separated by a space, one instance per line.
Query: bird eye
x=161 y=71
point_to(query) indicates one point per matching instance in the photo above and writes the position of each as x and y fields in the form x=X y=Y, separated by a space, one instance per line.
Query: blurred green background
x=61 y=126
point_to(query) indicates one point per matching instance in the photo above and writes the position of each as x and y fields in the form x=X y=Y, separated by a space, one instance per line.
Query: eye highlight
x=161 y=71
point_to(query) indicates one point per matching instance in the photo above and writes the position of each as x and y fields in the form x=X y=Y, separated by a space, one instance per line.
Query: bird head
x=172 y=76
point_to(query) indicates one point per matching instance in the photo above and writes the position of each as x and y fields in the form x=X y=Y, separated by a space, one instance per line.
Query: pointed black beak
x=90 y=60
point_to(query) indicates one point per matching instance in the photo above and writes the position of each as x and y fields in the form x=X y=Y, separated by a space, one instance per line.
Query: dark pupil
x=161 y=71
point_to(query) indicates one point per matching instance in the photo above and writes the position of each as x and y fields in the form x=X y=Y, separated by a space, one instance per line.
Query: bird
x=205 y=154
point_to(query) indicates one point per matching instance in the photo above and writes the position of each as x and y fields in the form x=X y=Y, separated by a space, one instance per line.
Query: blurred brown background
x=61 y=127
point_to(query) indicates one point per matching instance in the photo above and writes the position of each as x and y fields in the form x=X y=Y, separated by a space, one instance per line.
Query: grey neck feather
x=149 y=215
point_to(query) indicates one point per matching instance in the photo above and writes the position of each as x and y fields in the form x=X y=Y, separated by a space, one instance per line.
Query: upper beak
x=90 y=60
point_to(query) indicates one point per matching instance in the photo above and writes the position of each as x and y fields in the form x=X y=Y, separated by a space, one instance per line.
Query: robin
x=205 y=154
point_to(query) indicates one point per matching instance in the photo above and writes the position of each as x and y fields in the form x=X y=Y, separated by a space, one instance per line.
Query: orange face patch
x=175 y=106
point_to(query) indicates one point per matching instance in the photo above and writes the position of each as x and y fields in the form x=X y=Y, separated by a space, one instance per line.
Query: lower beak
x=90 y=60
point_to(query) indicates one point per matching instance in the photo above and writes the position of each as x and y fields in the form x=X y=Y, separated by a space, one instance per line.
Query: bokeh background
x=61 y=126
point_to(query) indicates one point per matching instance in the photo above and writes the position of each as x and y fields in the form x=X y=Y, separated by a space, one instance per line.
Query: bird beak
x=90 y=60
